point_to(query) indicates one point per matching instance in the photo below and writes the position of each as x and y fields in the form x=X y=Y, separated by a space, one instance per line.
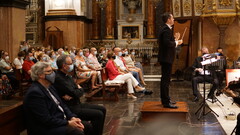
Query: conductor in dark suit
x=168 y=42
x=44 y=111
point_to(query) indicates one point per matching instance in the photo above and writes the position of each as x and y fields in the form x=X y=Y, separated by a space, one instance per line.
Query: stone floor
x=124 y=118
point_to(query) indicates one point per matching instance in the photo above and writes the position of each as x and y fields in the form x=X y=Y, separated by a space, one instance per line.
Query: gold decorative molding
x=225 y=2
x=238 y=6
x=61 y=12
x=223 y=20
x=176 y=8
x=198 y=6
x=209 y=6
x=187 y=8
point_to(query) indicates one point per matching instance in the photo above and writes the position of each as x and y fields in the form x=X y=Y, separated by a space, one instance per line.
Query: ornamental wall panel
x=187 y=7
x=176 y=8
x=198 y=5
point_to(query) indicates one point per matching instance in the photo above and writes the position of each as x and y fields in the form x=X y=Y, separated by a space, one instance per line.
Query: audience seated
x=102 y=56
x=32 y=50
x=17 y=62
x=37 y=52
x=7 y=69
x=43 y=57
x=199 y=77
x=24 y=46
x=70 y=92
x=27 y=64
x=44 y=111
x=65 y=49
x=72 y=51
x=137 y=64
x=119 y=61
x=94 y=61
x=53 y=60
x=115 y=74
x=60 y=52
x=131 y=66
x=88 y=61
x=83 y=72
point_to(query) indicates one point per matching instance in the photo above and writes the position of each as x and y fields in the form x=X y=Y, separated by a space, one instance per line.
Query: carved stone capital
x=223 y=20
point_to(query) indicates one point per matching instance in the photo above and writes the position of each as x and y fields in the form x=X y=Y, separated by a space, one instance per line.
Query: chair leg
x=116 y=94
x=104 y=93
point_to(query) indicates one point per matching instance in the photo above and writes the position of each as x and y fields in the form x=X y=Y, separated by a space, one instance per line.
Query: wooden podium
x=154 y=109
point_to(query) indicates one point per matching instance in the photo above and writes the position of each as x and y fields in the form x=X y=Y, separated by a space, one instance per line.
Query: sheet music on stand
x=209 y=61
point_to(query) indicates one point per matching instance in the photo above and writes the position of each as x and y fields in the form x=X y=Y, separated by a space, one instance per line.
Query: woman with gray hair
x=44 y=111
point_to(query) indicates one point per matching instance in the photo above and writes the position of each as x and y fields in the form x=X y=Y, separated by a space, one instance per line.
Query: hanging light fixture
x=102 y=3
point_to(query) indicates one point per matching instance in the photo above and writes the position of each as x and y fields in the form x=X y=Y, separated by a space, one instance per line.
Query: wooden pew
x=11 y=120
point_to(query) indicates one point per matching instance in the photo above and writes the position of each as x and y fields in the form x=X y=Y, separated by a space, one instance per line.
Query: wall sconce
x=102 y=3
x=156 y=3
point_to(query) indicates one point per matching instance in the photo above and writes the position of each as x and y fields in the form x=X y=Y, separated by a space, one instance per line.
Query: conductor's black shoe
x=172 y=102
x=211 y=98
x=170 y=106
x=147 y=92
x=195 y=99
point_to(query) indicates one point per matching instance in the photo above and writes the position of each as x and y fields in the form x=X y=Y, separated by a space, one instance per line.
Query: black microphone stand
x=204 y=105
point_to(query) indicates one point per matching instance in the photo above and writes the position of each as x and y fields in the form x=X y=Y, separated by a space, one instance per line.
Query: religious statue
x=132 y=5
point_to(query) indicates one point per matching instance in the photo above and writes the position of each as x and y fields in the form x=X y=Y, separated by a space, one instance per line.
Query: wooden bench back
x=12 y=119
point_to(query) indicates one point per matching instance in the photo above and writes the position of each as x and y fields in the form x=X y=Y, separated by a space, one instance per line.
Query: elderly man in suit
x=200 y=76
x=45 y=113
x=168 y=42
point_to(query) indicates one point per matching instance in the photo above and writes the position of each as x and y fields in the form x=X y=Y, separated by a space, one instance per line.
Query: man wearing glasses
x=45 y=113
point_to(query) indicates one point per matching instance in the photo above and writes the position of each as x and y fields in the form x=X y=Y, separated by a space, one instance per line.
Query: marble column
x=110 y=19
x=12 y=25
x=151 y=16
x=96 y=20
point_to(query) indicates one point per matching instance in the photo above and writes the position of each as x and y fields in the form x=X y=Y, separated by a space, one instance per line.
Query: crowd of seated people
x=58 y=75
x=87 y=63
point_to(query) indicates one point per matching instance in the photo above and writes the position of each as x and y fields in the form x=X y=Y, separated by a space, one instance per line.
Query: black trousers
x=12 y=78
x=93 y=113
x=200 y=79
x=238 y=125
x=165 y=82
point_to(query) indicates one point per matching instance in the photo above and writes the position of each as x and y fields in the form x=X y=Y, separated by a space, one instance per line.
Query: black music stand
x=213 y=71
x=204 y=105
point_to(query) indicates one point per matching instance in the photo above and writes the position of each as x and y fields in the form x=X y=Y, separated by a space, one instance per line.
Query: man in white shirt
x=6 y=69
x=94 y=61
x=120 y=64
x=199 y=78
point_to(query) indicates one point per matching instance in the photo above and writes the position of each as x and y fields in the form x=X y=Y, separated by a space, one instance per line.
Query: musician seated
x=220 y=52
x=231 y=93
x=236 y=64
x=222 y=66
x=199 y=77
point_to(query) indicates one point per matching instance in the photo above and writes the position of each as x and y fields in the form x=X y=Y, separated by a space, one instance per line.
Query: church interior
x=65 y=27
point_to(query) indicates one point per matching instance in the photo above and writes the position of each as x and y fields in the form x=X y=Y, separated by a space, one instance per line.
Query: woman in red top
x=115 y=74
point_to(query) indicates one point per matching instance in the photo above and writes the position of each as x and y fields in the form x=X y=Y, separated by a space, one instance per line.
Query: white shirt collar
x=170 y=27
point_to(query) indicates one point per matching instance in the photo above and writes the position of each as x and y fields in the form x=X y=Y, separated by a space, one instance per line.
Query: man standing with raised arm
x=168 y=43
